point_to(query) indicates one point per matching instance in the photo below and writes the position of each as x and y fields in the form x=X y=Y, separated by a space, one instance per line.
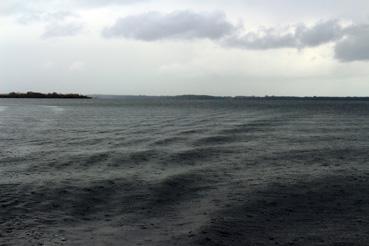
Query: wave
x=217 y=140
x=55 y=109
x=3 y=108
x=149 y=174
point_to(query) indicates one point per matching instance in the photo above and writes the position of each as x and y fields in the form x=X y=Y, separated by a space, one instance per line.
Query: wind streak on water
x=184 y=172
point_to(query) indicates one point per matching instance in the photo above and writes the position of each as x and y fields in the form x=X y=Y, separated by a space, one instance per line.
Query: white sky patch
x=77 y=66
x=48 y=65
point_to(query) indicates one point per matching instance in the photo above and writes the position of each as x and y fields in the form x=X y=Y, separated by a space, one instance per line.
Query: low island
x=42 y=95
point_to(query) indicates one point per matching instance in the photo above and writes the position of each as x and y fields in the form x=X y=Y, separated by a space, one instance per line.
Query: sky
x=174 y=47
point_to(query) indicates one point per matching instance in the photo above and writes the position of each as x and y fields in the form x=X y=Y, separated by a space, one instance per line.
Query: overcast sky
x=169 y=47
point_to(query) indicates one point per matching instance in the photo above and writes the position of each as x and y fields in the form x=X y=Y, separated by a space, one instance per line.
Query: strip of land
x=42 y=95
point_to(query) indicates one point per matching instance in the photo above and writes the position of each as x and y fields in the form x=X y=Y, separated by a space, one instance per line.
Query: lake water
x=163 y=171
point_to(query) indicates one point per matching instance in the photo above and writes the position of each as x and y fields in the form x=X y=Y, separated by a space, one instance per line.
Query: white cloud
x=10 y=7
x=39 y=16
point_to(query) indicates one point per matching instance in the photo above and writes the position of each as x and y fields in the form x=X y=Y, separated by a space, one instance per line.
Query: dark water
x=184 y=172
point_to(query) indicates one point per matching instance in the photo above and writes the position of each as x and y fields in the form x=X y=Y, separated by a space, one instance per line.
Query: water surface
x=184 y=172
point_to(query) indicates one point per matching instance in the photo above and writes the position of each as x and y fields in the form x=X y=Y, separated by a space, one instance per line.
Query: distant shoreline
x=207 y=97
x=38 y=95
x=54 y=95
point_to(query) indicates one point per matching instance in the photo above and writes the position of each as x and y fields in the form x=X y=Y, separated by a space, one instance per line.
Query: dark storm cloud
x=176 y=25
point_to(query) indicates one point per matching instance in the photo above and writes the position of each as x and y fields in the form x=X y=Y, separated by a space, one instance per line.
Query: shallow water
x=184 y=172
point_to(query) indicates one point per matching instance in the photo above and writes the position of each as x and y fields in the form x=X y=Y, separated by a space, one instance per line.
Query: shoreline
x=37 y=95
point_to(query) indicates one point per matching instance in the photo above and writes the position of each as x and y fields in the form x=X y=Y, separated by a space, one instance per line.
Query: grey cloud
x=260 y=40
x=299 y=36
x=351 y=41
x=355 y=46
x=321 y=33
x=55 y=30
x=153 y=26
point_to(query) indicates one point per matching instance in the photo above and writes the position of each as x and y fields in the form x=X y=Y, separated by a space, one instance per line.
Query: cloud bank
x=351 y=41
x=297 y=36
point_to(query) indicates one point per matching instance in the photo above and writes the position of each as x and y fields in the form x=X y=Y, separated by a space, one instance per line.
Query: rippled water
x=183 y=172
